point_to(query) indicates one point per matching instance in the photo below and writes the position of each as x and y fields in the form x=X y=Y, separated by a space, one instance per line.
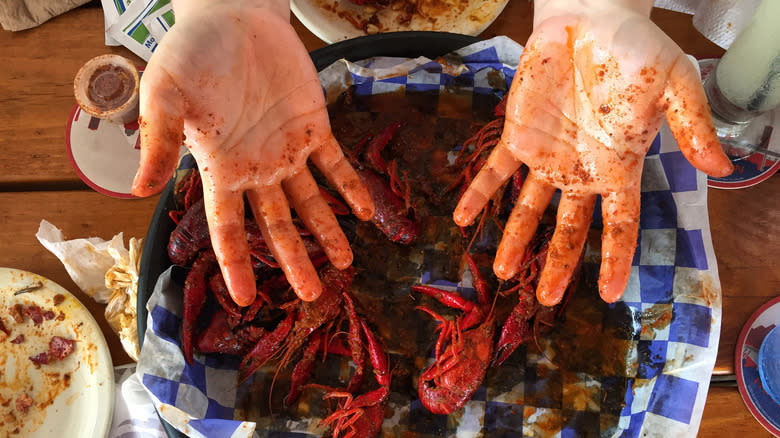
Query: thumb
x=688 y=114
x=161 y=123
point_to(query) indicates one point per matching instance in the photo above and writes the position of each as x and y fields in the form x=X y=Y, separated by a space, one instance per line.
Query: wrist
x=544 y=9
x=184 y=8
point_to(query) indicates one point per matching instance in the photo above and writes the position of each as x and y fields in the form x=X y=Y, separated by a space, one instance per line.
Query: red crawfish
x=528 y=318
x=393 y=216
x=362 y=415
x=464 y=348
x=470 y=161
x=309 y=317
x=194 y=297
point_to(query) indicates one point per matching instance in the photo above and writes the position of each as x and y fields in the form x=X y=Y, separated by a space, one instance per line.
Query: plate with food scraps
x=337 y=20
x=57 y=377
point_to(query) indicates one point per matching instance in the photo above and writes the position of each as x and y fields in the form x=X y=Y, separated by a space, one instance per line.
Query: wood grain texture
x=725 y=415
x=36 y=97
x=36 y=93
x=745 y=227
x=79 y=214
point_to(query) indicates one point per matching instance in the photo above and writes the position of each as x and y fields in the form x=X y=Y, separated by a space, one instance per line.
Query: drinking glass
x=745 y=85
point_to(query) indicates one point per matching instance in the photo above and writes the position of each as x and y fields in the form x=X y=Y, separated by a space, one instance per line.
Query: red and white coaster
x=105 y=155
x=758 y=401
x=761 y=164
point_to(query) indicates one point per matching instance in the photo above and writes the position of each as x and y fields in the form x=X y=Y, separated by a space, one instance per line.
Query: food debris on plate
x=335 y=20
x=45 y=347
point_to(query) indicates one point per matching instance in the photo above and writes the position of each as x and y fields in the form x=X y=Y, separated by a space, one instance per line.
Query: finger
x=618 y=242
x=688 y=114
x=225 y=213
x=571 y=230
x=500 y=166
x=161 y=123
x=272 y=214
x=521 y=226
x=304 y=195
x=330 y=160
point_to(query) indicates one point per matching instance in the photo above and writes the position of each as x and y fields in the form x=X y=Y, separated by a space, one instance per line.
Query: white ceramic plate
x=73 y=397
x=330 y=19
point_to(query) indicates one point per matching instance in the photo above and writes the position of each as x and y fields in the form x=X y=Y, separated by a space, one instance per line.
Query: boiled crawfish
x=393 y=216
x=306 y=329
x=473 y=155
x=464 y=348
x=360 y=416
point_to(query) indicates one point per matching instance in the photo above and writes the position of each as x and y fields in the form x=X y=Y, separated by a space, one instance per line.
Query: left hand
x=233 y=76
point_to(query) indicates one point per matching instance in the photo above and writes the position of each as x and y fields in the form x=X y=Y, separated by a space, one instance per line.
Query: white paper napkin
x=718 y=20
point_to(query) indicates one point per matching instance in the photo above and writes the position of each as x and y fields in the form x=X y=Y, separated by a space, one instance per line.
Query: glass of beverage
x=745 y=85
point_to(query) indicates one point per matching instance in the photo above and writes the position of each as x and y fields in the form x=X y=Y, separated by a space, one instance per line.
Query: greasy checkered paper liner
x=668 y=319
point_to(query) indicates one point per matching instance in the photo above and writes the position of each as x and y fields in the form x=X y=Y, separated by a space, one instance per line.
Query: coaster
x=761 y=164
x=756 y=398
x=105 y=155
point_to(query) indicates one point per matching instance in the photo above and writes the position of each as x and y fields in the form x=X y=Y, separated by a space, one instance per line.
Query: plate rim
x=319 y=33
x=738 y=366
x=103 y=356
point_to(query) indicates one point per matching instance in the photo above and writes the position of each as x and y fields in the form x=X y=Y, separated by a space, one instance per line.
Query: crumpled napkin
x=104 y=270
x=134 y=414
x=720 y=21
x=25 y=14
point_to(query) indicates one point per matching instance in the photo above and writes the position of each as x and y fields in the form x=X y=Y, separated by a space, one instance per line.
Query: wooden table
x=37 y=182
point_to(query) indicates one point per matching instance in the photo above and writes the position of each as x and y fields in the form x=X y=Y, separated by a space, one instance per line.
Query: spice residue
x=110 y=86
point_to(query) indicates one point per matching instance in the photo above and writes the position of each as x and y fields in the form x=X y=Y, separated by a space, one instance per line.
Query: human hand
x=588 y=98
x=233 y=78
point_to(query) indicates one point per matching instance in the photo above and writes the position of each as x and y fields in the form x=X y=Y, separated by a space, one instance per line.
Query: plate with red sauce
x=57 y=375
x=338 y=20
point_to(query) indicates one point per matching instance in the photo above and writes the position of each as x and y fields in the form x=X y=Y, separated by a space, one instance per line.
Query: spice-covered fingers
x=305 y=198
x=272 y=213
x=330 y=160
x=571 y=231
x=162 y=130
x=688 y=114
x=499 y=167
x=225 y=214
x=620 y=212
x=521 y=226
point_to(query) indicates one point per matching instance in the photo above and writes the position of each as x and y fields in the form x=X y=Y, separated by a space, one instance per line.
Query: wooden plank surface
x=725 y=415
x=36 y=94
x=746 y=235
x=79 y=214
x=36 y=99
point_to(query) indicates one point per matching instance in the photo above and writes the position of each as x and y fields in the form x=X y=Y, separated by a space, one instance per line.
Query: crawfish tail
x=194 y=297
x=265 y=348
x=190 y=236
x=302 y=370
x=391 y=215
x=517 y=327
x=220 y=291
x=377 y=144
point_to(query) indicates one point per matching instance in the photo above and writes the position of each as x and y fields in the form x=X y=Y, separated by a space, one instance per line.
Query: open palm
x=588 y=98
x=239 y=86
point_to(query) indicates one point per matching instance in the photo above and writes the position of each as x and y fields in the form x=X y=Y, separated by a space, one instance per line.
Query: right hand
x=234 y=78
x=588 y=98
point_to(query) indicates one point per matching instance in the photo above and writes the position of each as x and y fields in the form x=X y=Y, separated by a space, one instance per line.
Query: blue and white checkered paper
x=673 y=302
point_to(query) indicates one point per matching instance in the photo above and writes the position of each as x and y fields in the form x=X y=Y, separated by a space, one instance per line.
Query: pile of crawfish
x=279 y=327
